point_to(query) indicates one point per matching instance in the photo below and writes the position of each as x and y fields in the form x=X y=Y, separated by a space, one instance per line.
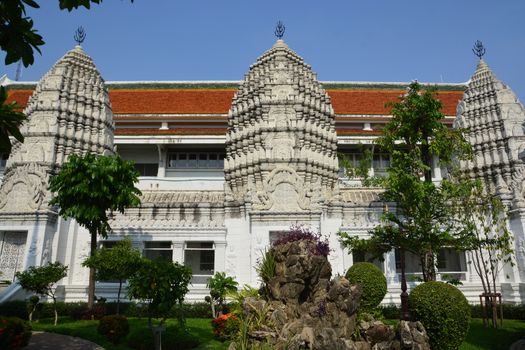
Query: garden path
x=519 y=345
x=44 y=340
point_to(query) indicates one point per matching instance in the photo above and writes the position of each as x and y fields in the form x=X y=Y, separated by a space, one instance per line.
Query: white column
x=162 y=160
x=220 y=257
x=178 y=252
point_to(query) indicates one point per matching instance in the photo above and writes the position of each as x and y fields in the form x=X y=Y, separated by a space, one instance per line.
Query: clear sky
x=343 y=40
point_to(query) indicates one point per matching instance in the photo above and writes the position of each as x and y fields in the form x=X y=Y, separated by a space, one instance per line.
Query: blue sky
x=372 y=40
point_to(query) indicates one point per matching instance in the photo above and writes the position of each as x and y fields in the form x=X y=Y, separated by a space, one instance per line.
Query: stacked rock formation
x=494 y=120
x=69 y=112
x=305 y=309
x=281 y=143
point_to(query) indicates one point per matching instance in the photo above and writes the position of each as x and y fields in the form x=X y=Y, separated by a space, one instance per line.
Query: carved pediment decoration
x=24 y=189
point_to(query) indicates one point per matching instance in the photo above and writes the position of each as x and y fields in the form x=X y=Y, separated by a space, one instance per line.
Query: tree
x=485 y=237
x=10 y=121
x=220 y=285
x=161 y=285
x=42 y=280
x=87 y=188
x=18 y=38
x=421 y=221
x=117 y=263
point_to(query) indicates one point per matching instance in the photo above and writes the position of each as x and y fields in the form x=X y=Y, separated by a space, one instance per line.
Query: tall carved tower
x=281 y=143
x=69 y=112
x=495 y=123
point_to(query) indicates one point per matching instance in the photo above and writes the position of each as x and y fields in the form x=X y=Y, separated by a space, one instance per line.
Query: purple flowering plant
x=300 y=233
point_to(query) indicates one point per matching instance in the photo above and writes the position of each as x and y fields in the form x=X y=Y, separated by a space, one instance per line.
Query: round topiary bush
x=373 y=282
x=444 y=311
x=114 y=327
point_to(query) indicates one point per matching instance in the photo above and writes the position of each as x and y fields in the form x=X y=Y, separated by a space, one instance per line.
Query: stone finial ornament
x=479 y=49
x=279 y=30
x=80 y=35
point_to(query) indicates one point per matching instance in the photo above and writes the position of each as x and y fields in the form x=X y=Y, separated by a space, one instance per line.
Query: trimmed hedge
x=18 y=308
x=444 y=311
x=373 y=282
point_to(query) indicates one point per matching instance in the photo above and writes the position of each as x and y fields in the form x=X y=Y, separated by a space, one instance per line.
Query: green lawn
x=481 y=338
x=198 y=329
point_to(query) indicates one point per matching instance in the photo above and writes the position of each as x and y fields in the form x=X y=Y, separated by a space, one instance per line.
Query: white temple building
x=226 y=166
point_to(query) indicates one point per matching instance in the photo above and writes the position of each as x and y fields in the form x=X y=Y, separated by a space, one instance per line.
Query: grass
x=484 y=338
x=199 y=329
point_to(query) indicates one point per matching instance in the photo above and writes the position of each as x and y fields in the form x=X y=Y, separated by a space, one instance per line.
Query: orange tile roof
x=176 y=131
x=218 y=101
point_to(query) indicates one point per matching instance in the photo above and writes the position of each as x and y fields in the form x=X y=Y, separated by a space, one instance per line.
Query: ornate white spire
x=69 y=112
x=494 y=120
x=281 y=141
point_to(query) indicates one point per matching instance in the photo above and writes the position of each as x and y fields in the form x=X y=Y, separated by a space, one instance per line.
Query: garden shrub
x=14 y=333
x=114 y=327
x=84 y=313
x=444 y=311
x=226 y=326
x=373 y=282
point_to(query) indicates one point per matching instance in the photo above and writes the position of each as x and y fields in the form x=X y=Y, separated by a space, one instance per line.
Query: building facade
x=226 y=167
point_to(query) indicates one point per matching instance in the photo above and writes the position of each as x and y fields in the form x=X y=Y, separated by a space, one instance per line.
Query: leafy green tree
x=18 y=38
x=42 y=280
x=119 y=263
x=420 y=222
x=485 y=237
x=161 y=285
x=10 y=122
x=220 y=285
x=87 y=188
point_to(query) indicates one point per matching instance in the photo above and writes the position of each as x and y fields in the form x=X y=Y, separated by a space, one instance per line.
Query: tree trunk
x=404 y=294
x=55 y=309
x=91 y=286
x=118 y=296
x=429 y=267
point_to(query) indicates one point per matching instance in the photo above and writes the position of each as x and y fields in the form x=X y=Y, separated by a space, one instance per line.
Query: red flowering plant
x=225 y=326
x=14 y=333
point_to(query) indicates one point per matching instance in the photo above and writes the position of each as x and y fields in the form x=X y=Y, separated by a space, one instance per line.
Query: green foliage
x=14 y=333
x=359 y=170
x=373 y=282
x=117 y=263
x=444 y=311
x=89 y=186
x=10 y=120
x=220 y=285
x=266 y=266
x=160 y=284
x=42 y=280
x=114 y=327
x=17 y=36
x=421 y=222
